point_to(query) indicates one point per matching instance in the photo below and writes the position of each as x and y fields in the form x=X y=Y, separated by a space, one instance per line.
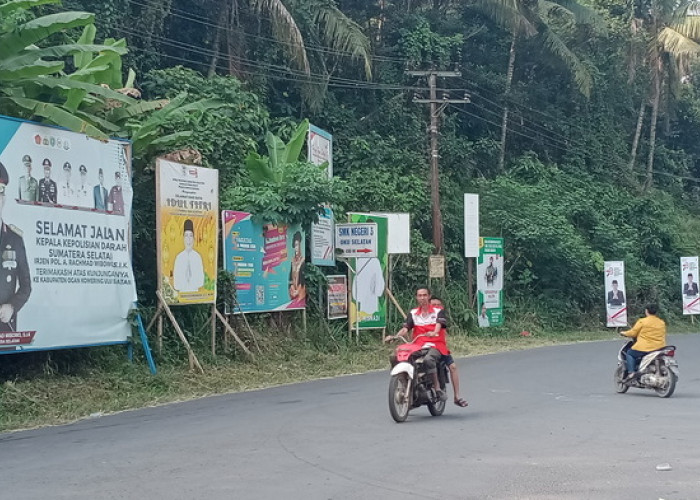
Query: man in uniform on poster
x=690 y=289
x=99 y=192
x=28 y=185
x=15 y=281
x=67 y=193
x=491 y=272
x=47 y=186
x=83 y=190
x=188 y=271
x=115 y=199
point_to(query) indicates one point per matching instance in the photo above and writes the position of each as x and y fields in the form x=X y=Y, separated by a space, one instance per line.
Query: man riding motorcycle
x=650 y=335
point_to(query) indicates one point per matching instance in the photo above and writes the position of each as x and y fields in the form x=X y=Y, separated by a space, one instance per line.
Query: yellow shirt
x=650 y=333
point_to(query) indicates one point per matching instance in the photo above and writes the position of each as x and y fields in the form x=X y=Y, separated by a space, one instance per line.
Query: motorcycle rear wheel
x=399 y=401
x=667 y=392
x=618 y=377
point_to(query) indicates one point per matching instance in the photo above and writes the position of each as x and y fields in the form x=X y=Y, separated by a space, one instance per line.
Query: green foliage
x=420 y=45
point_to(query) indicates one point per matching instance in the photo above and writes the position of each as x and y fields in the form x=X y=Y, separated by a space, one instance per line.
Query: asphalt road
x=542 y=424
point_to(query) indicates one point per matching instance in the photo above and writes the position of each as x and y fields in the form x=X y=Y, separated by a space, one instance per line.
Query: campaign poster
x=489 y=282
x=615 y=298
x=689 y=289
x=268 y=262
x=337 y=297
x=65 y=258
x=323 y=239
x=320 y=148
x=368 y=281
x=187 y=204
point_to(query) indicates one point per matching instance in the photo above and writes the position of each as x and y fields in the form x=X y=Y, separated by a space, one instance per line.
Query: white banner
x=615 y=298
x=471 y=225
x=65 y=264
x=689 y=289
x=320 y=147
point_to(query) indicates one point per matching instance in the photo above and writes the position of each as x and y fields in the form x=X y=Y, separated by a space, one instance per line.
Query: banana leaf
x=81 y=59
x=7 y=8
x=296 y=143
x=59 y=116
x=32 y=70
x=38 y=29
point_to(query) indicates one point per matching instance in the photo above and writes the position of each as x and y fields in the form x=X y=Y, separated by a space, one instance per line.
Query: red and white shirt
x=424 y=323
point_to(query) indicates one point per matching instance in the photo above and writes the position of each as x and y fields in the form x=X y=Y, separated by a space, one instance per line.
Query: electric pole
x=437 y=106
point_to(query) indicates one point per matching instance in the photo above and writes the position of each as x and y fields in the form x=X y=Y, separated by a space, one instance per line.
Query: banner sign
x=65 y=257
x=353 y=240
x=267 y=261
x=337 y=297
x=689 y=278
x=187 y=228
x=323 y=240
x=398 y=232
x=368 y=283
x=320 y=147
x=471 y=225
x=615 y=301
x=490 y=282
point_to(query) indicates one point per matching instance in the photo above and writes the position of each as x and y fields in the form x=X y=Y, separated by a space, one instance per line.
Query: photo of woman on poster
x=297 y=280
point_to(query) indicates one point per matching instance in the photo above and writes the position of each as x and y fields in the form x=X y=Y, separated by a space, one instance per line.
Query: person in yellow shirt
x=650 y=335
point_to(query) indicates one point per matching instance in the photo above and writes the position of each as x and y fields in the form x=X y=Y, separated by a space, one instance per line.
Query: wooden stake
x=396 y=303
x=159 y=340
x=194 y=362
x=213 y=329
x=233 y=334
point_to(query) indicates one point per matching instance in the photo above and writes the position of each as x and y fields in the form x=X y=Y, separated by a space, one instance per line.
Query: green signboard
x=490 y=282
x=368 y=281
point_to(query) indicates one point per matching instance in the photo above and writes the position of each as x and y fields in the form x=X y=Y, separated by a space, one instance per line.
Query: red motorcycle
x=410 y=385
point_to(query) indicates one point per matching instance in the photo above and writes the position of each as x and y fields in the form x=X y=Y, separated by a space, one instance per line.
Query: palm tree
x=531 y=18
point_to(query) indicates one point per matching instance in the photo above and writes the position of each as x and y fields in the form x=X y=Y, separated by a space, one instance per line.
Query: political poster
x=337 y=297
x=187 y=204
x=268 y=262
x=65 y=259
x=490 y=282
x=689 y=289
x=323 y=240
x=320 y=148
x=368 y=282
x=615 y=299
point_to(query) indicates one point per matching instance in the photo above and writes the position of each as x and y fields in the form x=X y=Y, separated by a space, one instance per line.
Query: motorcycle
x=410 y=385
x=658 y=370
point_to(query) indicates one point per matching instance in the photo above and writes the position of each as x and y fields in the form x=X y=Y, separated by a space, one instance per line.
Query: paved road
x=542 y=424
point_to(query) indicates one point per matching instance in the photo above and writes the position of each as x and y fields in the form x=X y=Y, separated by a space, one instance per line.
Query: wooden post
x=470 y=281
x=396 y=302
x=159 y=331
x=233 y=334
x=194 y=362
x=213 y=329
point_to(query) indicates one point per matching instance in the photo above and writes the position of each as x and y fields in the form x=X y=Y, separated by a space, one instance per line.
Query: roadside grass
x=66 y=386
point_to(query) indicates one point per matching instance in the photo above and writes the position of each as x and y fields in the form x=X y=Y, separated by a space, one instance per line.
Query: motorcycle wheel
x=398 y=399
x=667 y=392
x=619 y=375
x=437 y=409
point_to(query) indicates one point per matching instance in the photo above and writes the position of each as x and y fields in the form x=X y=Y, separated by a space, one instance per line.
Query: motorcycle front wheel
x=399 y=400
x=618 y=377
x=437 y=409
x=668 y=390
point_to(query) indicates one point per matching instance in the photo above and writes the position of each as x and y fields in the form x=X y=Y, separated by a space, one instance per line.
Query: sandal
x=462 y=403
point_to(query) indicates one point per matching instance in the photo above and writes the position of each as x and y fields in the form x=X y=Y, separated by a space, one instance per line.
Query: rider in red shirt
x=428 y=321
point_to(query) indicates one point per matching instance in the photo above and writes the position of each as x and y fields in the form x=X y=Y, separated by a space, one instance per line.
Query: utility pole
x=437 y=106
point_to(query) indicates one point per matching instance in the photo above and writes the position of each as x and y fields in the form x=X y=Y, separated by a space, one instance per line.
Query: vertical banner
x=323 y=240
x=615 y=300
x=337 y=297
x=320 y=148
x=689 y=278
x=267 y=261
x=490 y=282
x=471 y=225
x=368 y=300
x=65 y=233
x=187 y=204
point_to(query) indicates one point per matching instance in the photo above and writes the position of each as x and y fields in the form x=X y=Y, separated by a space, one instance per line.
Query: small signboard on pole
x=358 y=240
x=436 y=267
x=337 y=297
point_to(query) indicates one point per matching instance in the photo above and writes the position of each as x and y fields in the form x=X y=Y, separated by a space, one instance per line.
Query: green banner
x=368 y=282
x=490 y=282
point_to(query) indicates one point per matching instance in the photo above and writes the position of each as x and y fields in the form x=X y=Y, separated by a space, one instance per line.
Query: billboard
x=65 y=257
x=471 y=225
x=689 y=289
x=323 y=240
x=368 y=300
x=187 y=227
x=337 y=297
x=615 y=301
x=268 y=262
x=490 y=282
x=320 y=148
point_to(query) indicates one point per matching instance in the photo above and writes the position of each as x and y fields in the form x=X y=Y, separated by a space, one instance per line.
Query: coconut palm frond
x=678 y=45
x=584 y=15
x=343 y=34
x=688 y=27
x=286 y=30
x=508 y=14
x=579 y=70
